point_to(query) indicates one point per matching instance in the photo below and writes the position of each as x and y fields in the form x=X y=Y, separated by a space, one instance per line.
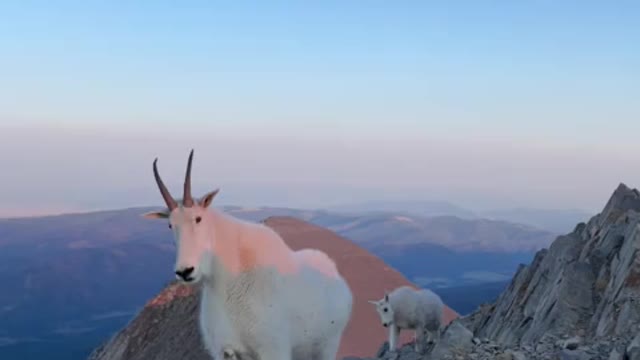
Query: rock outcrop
x=168 y=321
x=586 y=284
x=578 y=299
x=167 y=329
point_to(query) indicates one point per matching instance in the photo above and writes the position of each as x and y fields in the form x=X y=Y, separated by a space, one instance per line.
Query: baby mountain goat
x=260 y=300
x=406 y=308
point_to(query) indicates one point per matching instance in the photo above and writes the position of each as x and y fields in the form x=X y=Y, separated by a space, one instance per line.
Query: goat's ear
x=155 y=215
x=208 y=198
x=374 y=302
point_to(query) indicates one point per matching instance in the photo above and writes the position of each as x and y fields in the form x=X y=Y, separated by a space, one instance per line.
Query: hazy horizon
x=482 y=105
x=74 y=172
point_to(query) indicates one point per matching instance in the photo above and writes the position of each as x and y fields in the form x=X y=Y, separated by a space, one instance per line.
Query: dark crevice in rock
x=526 y=321
x=553 y=305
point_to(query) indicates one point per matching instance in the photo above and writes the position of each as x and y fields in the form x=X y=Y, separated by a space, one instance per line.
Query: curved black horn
x=187 y=199
x=171 y=203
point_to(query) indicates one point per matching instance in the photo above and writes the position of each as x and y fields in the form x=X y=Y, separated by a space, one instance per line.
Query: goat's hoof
x=229 y=354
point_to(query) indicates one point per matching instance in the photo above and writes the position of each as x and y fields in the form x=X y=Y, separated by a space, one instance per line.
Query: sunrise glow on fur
x=258 y=295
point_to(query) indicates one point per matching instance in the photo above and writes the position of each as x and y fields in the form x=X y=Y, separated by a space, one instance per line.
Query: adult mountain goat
x=260 y=300
x=407 y=308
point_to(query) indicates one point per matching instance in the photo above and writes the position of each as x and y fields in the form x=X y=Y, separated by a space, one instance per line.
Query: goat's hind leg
x=420 y=339
x=329 y=350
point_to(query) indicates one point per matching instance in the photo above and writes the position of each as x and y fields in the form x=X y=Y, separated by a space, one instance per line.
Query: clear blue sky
x=556 y=72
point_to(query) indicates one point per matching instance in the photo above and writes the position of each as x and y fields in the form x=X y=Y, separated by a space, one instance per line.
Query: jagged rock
x=633 y=349
x=383 y=349
x=615 y=355
x=406 y=352
x=572 y=343
x=505 y=356
x=517 y=355
x=587 y=283
x=567 y=354
x=456 y=339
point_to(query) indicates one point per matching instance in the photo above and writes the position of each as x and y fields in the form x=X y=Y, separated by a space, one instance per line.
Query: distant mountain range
x=418 y=208
x=559 y=221
x=437 y=251
x=62 y=270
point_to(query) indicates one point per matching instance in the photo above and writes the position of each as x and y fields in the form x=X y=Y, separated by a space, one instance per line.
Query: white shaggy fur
x=407 y=308
x=260 y=300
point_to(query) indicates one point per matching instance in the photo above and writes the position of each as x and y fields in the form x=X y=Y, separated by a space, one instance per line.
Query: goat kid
x=407 y=308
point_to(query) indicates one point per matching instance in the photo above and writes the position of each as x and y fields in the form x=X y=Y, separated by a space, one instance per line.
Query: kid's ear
x=155 y=215
x=373 y=302
x=208 y=198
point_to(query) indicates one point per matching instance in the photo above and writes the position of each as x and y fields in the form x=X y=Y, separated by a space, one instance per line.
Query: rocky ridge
x=578 y=299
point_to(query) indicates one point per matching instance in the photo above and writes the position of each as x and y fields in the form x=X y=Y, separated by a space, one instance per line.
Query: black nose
x=185 y=273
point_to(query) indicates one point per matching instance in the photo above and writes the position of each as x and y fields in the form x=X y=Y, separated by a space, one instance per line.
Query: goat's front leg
x=419 y=339
x=394 y=331
x=436 y=337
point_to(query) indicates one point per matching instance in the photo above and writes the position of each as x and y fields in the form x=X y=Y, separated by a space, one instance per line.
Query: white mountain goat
x=407 y=308
x=260 y=300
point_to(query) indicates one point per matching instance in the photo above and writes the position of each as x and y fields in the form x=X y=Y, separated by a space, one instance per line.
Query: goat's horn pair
x=187 y=199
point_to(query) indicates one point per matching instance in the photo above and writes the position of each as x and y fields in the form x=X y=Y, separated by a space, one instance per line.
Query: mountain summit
x=578 y=299
x=166 y=328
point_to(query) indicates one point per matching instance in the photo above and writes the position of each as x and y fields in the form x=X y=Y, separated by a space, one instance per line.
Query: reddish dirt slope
x=367 y=275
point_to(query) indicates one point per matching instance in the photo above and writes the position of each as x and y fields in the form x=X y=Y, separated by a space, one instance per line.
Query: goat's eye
x=170 y=226
x=198 y=219
x=385 y=309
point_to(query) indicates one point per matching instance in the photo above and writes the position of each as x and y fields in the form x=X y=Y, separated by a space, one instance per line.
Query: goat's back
x=317 y=260
x=420 y=306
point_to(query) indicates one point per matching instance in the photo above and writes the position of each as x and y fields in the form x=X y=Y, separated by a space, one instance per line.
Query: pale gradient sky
x=486 y=104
